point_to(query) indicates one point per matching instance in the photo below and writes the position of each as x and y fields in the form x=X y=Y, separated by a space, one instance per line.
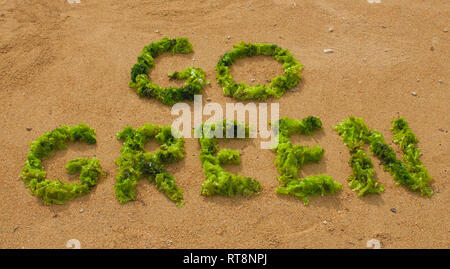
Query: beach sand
x=64 y=63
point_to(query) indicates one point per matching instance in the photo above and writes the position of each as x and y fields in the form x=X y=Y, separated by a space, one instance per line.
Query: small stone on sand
x=328 y=51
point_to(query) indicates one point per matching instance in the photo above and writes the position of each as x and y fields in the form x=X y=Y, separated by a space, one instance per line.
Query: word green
x=135 y=163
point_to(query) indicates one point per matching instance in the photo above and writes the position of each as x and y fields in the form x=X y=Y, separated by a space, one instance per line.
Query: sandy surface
x=65 y=64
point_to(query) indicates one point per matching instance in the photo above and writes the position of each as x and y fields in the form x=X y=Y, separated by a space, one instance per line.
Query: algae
x=55 y=191
x=413 y=174
x=218 y=180
x=135 y=163
x=290 y=158
x=278 y=85
x=195 y=77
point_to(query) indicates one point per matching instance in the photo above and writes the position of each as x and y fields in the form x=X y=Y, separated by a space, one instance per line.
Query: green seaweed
x=218 y=180
x=135 y=163
x=405 y=138
x=310 y=186
x=55 y=191
x=355 y=133
x=278 y=85
x=362 y=177
x=290 y=158
x=195 y=77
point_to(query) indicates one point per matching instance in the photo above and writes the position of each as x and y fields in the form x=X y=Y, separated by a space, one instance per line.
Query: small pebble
x=208 y=99
x=325 y=222
x=228 y=37
x=156 y=31
x=393 y=210
x=418 y=80
x=445 y=30
x=364 y=59
x=383 y=26
x=29 y=128
x=252 y=80
x=432 y=48
x=330 y=29
x=328 y=51
x=436 y=190
x=441 y=81
x=275 y=25
x=81 y=210
x=414 y=93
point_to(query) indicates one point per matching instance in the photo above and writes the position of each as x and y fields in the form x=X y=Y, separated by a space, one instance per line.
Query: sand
x=64 y=63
